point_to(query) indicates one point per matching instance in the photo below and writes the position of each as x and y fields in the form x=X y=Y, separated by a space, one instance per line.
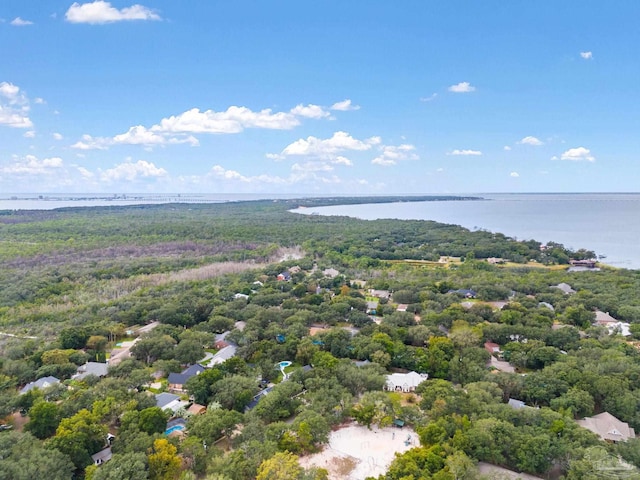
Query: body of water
x=608 y=224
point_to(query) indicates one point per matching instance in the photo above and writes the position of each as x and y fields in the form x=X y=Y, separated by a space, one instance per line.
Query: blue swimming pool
x=170 y=430
x=284 y=364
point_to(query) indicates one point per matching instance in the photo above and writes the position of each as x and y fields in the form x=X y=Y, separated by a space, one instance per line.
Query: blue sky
x=357 y=97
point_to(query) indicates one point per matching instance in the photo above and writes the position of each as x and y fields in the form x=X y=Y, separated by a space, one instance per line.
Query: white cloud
x=90 y=143
x=139 y=135
x=529 y=140
x=57 y=136
x=514 y=174
x=391 y=154
x=429 y=98
x=462 y=87
x=344 y=106
x=586 y=55
x=339 y=142
x=312 y=167
x=506 y=148
x=39 y=101
x=84 y=172
x=310 y=111
x=29 y=134
x=19 y=22
x=132 y=171
x=219 y=172
x=465 y=152
x=100 y=12
x=579 y=154
x=340 y=160
x=30 y=165
x=14 y=107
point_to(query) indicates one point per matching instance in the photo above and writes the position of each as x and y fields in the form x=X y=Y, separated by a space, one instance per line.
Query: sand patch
x=355 y=452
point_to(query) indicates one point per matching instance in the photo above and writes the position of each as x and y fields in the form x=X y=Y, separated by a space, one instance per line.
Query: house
x=196 y=409
x=241 y=295
x=372 y=308
x=583 y=263
x=295 y=269
x=608 y=427
x=404 y=382
x=495 y=260
x=516 y=404
x=547 y=305
x=41 y=383
x=604 y=319
x=284 y=277
x=102 y=456
x=465 y=292
x=565 y=287
x=169 y=401
x=91 y=368
x=382 y=294
x=402 y=307
x=492 y=347
x=177 y=381
x=224 y=354
x=330 y=272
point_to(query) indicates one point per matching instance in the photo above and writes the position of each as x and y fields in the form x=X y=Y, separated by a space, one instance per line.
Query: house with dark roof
x=465 y=292
x=284 y=276
x=41 y=383
x=177 y=381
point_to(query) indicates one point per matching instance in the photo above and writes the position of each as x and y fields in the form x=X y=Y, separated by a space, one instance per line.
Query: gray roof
x=224 y=354
x=102 y=456
x=164 y=399
x=565 y=287
x=91 y=368
x=608 y=427
x=41 y=383
x=517 y=404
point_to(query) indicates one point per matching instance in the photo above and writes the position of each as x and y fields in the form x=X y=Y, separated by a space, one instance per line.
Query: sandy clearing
x=355 y=452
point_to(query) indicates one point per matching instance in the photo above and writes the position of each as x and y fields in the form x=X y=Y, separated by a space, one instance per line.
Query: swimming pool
x=284 y=364
x=170 y=430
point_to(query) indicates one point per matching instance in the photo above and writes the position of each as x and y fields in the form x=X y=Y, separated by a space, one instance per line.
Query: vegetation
x=75 y=283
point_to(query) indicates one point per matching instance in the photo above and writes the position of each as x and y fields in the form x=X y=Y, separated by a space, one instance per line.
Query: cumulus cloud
x=179 y=129
x=344 y=106
x=529 y=140
x=14 y=106
x=579 y=154
x=392 y=154
x=30 y=165
x=465 y=152
x=339 y=142
x=309 y=111
x=19 y=22
x=219 y=172
x=130 y=171
x=514 y=174
x=100 y=12
x=462 y=87
x=57 y=136
x=29 y=134
x=586 y=55
x=506 y=148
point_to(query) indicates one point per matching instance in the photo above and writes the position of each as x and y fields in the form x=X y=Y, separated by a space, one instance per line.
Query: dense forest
x=491 y=321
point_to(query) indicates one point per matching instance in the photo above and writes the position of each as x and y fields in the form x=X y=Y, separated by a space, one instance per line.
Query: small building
x=295 y=269
x=465 y=292
x=91 y=368
x=284 y=277
x=41 y=383
x=224 y=354
x=402 y=307
x=492 y=347
x=604 y=319
x=565 y=288
x=244 y=296
x=102 y=456
x=330 y=272
x=169 y=401
x=382 y=294
x=404 y=382
x=177 y=381
x=372 y=308
x=608 y=427
x=196 y=409
x=591 y=263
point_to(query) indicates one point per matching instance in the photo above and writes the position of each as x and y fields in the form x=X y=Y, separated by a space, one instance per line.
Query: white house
x=404 y=382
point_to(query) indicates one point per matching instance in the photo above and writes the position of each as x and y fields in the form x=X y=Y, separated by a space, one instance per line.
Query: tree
x=214 y=424
x=152 y=348
x=79 y=437
x=234 y=392
x=44 y=418
x=132 y=466
x=164 y=463
x=22 y=457
x=189 y=351
x=152 y=420
x=282 y=466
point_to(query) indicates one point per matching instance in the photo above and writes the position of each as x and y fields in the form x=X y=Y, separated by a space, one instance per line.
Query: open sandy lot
x=355 y=452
